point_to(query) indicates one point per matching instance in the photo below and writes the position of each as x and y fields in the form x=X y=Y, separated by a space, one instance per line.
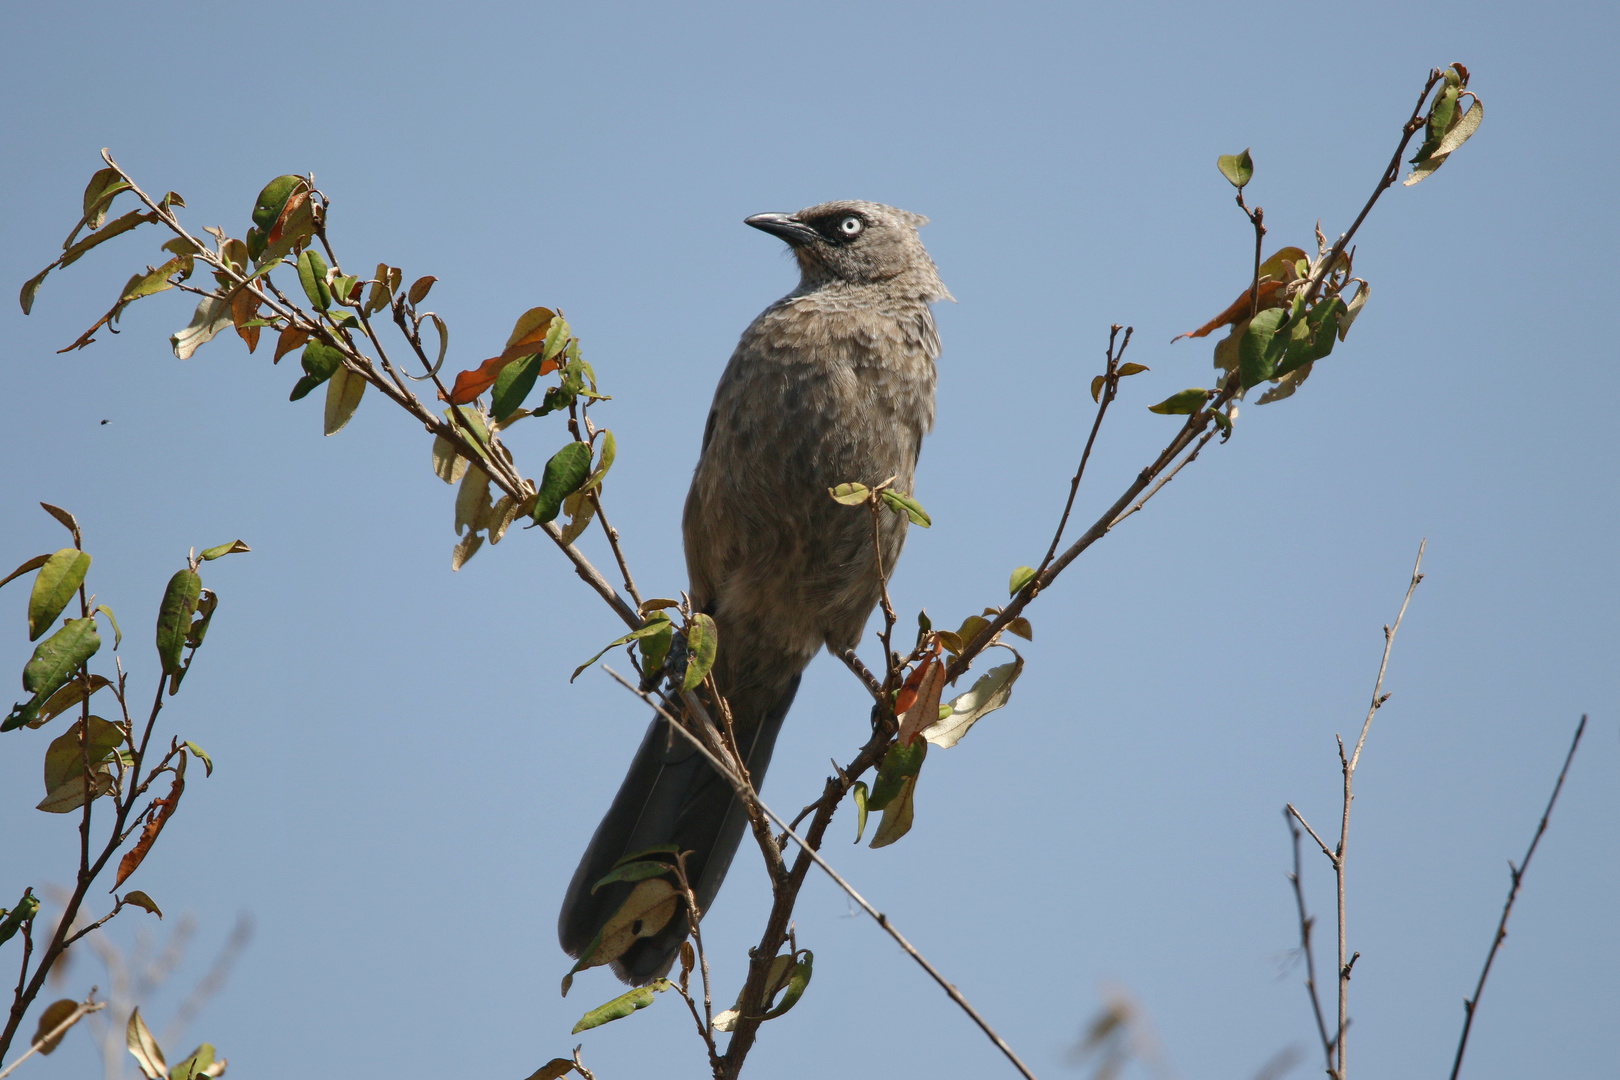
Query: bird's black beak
x=785 y=226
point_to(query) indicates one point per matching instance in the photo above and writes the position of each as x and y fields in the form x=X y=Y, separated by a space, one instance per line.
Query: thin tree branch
x=1471 y=1005
x=1348 y=770
x=1391 y=173
x=1110 y=391
x=746 y=792
x=79 y=1012
x=1306 y=924
x=1325 y=849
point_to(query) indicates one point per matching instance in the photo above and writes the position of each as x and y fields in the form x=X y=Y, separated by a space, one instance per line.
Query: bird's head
x=856 y=242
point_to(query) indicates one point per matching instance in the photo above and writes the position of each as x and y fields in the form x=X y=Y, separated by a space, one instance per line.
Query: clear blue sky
x=404 y=776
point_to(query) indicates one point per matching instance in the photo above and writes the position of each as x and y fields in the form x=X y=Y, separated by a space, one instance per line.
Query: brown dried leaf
x=245 y=308
x=55 y=1013
x=290 y=339
x=154 y=825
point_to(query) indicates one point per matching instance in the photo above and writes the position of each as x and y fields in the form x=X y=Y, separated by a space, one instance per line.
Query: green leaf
x=642 y=853
x=64 y=699
x=850 y=494
x=58 y=580
x=1126 y=370
x=320 y=362
x=32 y=564
x=198 y=1063
x=213 y=315
x=901 y=503
x=558 y=337
x=343 y=394
x=657 y=623
x=899 y=764
x=65 y=786
x=30 y=289
x=174 y=618
x=564 y=474
x=1462 y=128
x=1346 y=317
x=1237 y=168
x=987 y=694
x=513 y=384
x=312 y=272
x=235 y=547
x=604 y=460
x=1261 y=348
x=1312 y=337
x=52 y=665
x=621 y=1006
x=702 y=641
x=798 y=981
x=655 y=648
x=95 y=195
x=273 y=199
x=898 y=813
x=1020 y=578
x=116 y=227
x=636 y=871
x=26 y=908
x=858 y=792
x=208 y=762
x=1185 y=403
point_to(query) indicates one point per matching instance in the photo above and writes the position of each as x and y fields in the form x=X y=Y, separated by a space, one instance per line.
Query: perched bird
x=832 y=383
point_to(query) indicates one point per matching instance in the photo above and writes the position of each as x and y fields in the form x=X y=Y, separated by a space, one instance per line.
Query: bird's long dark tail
x=672 y=795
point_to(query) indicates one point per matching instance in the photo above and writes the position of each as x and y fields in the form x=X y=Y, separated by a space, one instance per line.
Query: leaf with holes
x=646 y=911
x=702 y=642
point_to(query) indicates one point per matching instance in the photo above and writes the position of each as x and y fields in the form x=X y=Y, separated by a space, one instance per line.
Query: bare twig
x=748 y=795
x=694 y=919
x=1110 y=391
x=1306 y=924
x=1470 y=1005
x=868 y=680
x=1334 y=1046
x=1167 y=477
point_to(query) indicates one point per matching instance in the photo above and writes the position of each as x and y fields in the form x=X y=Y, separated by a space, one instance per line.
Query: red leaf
x=469 y=384
x=1237 y=312
x=298 y=198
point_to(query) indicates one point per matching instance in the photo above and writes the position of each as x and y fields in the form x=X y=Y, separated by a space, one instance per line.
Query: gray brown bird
x=832 y=383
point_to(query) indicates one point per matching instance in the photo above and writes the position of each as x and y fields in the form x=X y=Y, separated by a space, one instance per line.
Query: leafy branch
x=96 y=757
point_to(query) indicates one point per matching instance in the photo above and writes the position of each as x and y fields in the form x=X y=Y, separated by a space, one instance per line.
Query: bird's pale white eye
x=851 y=226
